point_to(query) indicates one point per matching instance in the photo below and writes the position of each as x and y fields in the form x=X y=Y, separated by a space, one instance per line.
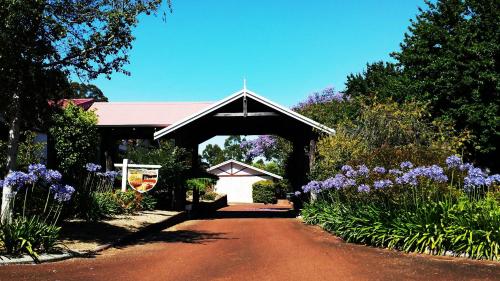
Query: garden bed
x=84 y=237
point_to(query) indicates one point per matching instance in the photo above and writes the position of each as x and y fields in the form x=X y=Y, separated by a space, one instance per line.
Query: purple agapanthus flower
x=406 y=165
x=17 y=180
x=52 y=176
x=62 y=193
x=475 y=178
x=364 y=188
x=297 y=193
x=380 y=184
x=110 y=175
x=37 y=171
x=363 y=170
x=92 y=167
x=313 y=186
x=339 y=181
x=379 y=170
x=493 y=179
x=395 y=172
x=465 y=167
x=349 y=171
x=453 y=161
x=1 y=183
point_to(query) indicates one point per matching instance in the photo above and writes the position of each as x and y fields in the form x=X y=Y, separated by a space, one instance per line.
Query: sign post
x=124 y=175
x=142 y=179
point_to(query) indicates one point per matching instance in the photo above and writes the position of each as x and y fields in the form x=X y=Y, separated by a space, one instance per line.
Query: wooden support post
x=312 y=160
x=194 y=171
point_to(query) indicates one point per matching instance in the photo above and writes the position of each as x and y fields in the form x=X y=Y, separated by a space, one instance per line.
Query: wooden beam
x=241 y=114
x=245 y=106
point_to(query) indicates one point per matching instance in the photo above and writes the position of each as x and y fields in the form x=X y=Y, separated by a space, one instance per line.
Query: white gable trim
x=246 y=166
x=234 y=97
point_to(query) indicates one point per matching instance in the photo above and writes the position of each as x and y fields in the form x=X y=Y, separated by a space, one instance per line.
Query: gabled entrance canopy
x=242 y=113
x=246 y=113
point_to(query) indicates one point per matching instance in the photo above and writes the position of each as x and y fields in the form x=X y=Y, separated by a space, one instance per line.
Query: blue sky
x=285 y=49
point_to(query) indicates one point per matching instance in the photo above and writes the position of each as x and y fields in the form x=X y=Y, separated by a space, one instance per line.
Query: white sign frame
x=125 y=165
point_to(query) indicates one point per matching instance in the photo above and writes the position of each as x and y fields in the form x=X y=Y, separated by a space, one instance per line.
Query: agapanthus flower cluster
x=380 y=184
x=363 y=170
x=62 y=193
x=493 y=179
x=339 y=181
x=92 y=167
x=395 y=172
x=297 y=193
x=406 y=165
x=17 y=180
x=110 y=175
x=453 y=161
x=363 y=188
x=434 y=173
x=312 y=186
x=349 y=171
x=52 y=176
x=350 y=177
x=1 y=183
x=37 y=169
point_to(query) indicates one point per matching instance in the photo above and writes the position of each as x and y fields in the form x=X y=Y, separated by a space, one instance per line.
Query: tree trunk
x=12 y=149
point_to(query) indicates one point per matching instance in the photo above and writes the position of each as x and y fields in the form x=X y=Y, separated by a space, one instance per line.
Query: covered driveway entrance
x=247 y=113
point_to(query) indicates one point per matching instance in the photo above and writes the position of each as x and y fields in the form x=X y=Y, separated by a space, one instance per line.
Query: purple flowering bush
x=450 y=209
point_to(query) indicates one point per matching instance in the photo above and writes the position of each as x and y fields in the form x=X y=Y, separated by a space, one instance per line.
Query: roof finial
x=244 y=84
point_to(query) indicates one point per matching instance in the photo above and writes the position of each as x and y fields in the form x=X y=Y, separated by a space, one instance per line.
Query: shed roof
x=146 y=114
x=215 y=167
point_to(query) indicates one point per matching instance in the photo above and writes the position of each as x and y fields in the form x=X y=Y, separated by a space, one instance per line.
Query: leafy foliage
x=175 y=162
x=75 y=138
x=213 y=155
x=30 y=151
x=82 y=90
x=234 y=150
x=28 y=236
x=43 y=42
x=264 y=191
x=380 y=81
x=387 y=133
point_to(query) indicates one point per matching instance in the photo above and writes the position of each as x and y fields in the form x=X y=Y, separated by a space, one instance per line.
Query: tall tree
x=43 y=41
x=234 y=150
x=450 y=56
x=213 y=154
x=82 y=90
x=380 y=80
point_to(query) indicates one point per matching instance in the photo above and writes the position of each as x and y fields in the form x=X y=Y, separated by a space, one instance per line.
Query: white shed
x=236 y=179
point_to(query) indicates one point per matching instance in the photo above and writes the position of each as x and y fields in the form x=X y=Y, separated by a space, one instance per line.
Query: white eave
x=246 y=166
x=234 y=97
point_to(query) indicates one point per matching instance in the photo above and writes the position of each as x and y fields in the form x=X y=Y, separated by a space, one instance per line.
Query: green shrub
x=75 y=137
x=148 y=202
x=209 y=196
x=264 y=191
x=28 y=236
